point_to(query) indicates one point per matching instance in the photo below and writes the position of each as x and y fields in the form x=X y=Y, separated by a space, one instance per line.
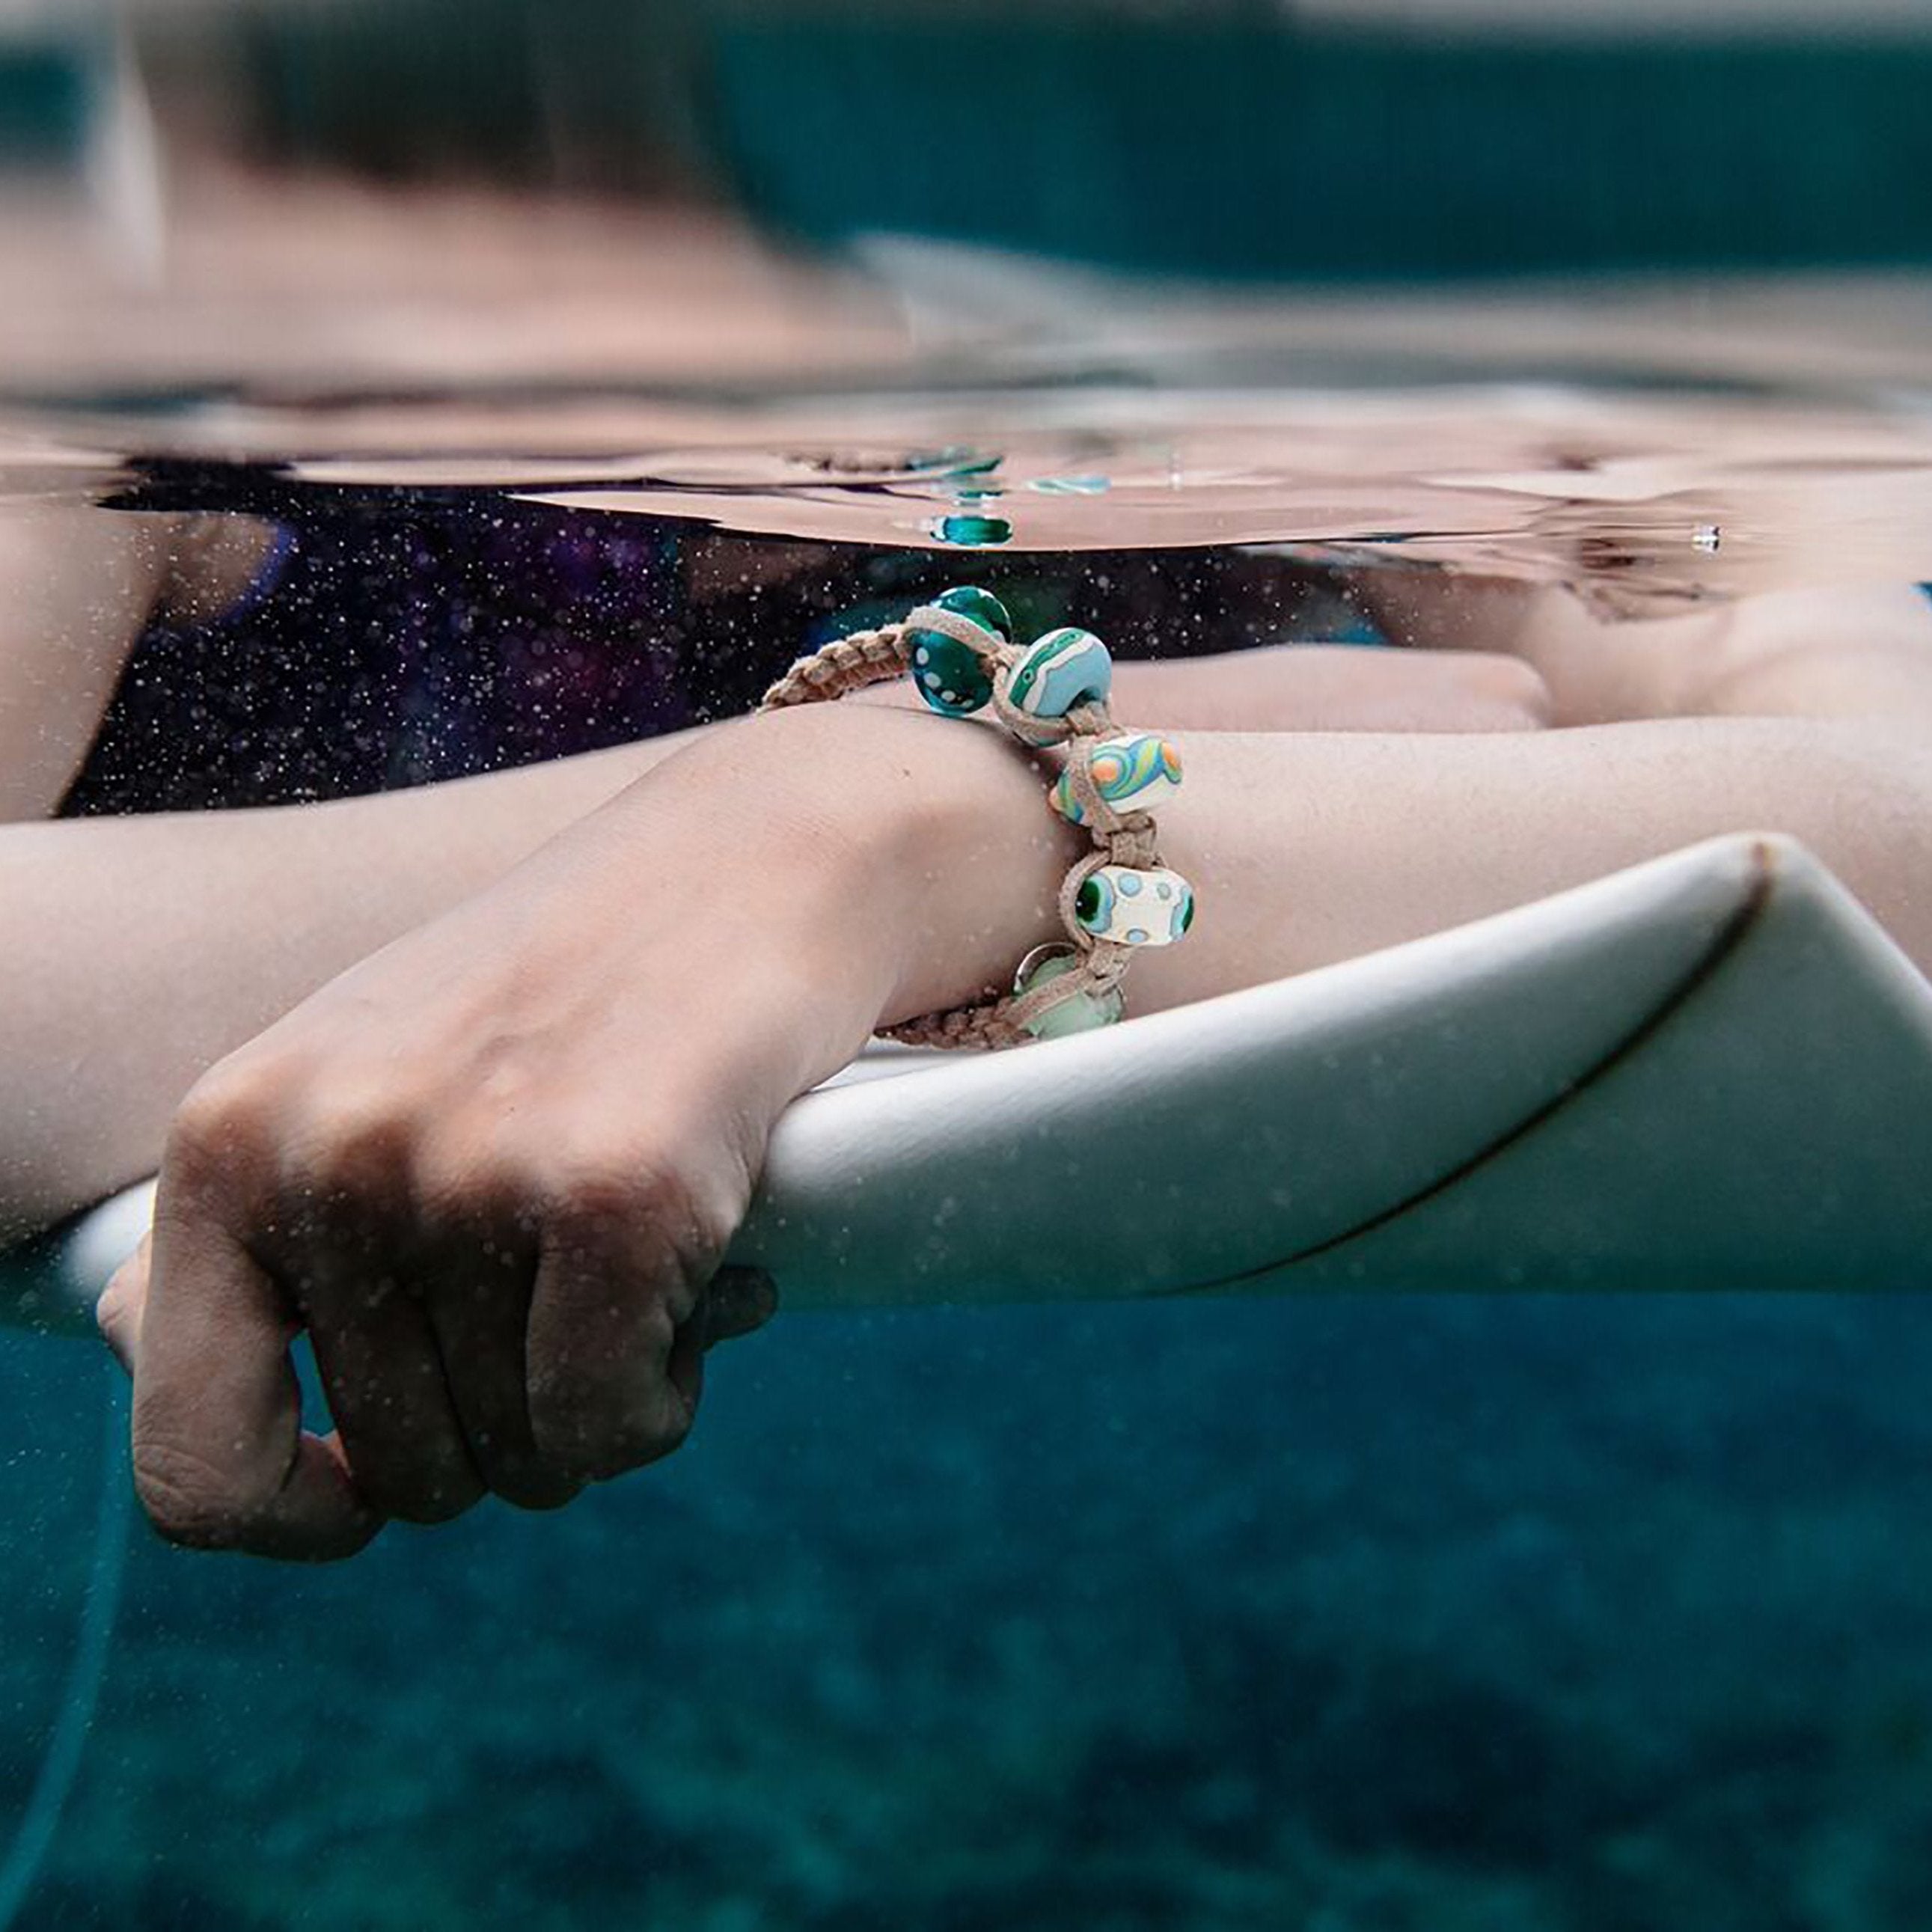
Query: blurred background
x=909 y=165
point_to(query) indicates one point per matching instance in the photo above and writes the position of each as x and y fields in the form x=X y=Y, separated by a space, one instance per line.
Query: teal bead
x=1059 y=672
x=1082 y=1013
x=979 y=606
x=949 y=675
x=956 y=460
x=952 y=676
x=973 y=532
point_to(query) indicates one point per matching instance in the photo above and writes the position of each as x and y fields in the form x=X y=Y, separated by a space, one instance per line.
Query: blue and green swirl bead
x=1133 y=773
x=1061 y=671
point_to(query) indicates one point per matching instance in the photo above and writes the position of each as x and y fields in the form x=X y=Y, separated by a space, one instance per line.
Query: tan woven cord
x=850 y=663
x=845 y=665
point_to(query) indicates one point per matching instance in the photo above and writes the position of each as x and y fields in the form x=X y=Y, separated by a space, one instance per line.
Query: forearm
x=540 y=1117
x=1306 y=850
x=136 y=952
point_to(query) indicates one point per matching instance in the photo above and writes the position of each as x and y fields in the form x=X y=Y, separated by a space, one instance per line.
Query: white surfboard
x=1712 y=1071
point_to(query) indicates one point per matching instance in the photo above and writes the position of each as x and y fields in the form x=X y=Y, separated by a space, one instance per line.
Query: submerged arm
x=493 y=1169
x=134 y=952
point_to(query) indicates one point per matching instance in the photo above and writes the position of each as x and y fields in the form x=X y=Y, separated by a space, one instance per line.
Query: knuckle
x=461 y=1176
x=224 y=1116
x=351 y=1134
x=633 y=1192
x=590 y=1190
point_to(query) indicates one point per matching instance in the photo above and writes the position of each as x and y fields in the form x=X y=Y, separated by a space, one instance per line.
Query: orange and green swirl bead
x=1133 y=772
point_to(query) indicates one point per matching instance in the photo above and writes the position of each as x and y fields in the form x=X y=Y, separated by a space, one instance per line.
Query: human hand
x=492 y=1170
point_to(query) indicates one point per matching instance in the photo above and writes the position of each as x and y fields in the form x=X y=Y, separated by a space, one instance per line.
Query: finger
x=382 y=1371
x=736 y=1301
x=611 y=1294
x=481 y=1319
x=220 y=1460
x=117 y=1313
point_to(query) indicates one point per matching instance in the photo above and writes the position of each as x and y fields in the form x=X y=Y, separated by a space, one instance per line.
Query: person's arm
x=134 y=952
x=491 y=1169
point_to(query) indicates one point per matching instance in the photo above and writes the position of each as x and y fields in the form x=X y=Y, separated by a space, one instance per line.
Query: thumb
x=119 y=1312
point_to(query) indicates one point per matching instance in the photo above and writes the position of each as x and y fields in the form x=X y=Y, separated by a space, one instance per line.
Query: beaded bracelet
x=960 y=653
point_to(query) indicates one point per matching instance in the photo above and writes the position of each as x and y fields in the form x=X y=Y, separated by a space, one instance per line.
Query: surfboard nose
x=1570 y=1092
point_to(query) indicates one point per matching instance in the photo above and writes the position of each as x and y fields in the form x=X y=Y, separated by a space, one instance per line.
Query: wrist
x=981 y=859
x=914 y=856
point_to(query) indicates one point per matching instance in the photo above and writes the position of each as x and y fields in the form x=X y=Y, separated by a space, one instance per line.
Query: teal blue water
x=1390 y=1613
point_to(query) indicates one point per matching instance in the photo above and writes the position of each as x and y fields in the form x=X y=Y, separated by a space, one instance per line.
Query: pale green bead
x=1082 y=1013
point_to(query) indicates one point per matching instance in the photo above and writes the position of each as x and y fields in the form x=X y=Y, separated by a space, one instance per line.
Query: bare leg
x=76 y=584
x=1812 y=653
x=1324 y=688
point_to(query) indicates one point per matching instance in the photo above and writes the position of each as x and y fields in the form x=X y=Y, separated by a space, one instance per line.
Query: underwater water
x=1362 y=1614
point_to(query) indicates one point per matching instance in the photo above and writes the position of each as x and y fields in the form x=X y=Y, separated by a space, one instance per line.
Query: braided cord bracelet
x=960 y=654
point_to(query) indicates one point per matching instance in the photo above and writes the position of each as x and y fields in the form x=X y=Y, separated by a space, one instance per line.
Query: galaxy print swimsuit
x=399 y=638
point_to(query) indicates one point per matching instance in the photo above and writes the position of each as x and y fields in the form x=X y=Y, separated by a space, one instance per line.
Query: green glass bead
x=1082 y=1013
x=1087 y=902
x=952 y=676
x=973 y=532
x=981 y=607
